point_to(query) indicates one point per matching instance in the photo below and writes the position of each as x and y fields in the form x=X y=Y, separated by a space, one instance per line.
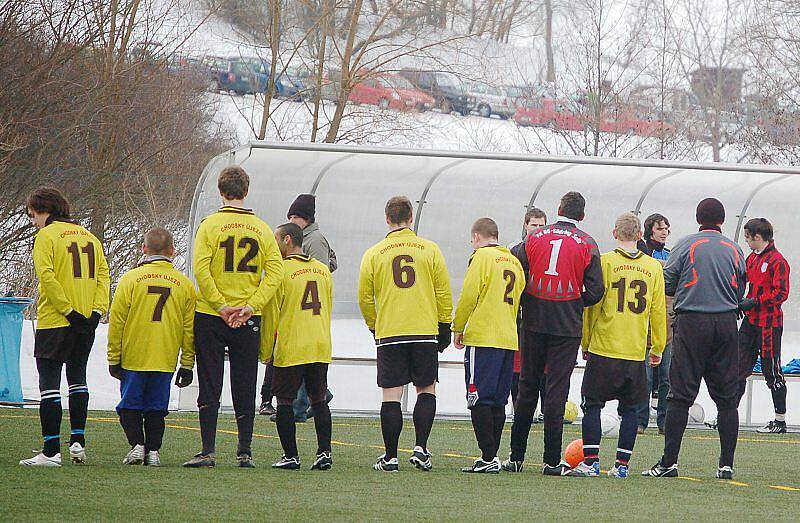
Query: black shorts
x=705 y=346
x=608 y=379
x=286 y=381
x=64 y=344
x=404 y=363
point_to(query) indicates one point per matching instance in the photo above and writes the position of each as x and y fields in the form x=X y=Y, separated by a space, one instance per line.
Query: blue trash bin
x=11 y=320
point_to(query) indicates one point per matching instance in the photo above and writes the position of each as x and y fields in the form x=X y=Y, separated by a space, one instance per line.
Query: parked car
x=296 y=82
x=549 y=112
x=390 y=91
x=240 y=75
x=491 y=100
x=447 y=90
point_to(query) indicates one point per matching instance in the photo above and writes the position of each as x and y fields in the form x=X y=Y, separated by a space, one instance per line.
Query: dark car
x=296 y=82
x=447 y=91
x=240 y=75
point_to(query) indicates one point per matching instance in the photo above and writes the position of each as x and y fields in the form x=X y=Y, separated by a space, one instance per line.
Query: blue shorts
x=147 y=391
x=488 y=373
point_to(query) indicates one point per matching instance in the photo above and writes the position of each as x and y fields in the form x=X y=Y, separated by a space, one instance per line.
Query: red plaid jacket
x=768 y=274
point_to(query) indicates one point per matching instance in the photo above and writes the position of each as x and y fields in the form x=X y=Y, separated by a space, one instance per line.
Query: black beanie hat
x=710 y=212
x=303 y=206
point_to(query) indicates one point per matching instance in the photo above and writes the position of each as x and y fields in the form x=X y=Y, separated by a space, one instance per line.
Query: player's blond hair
x=628 y=227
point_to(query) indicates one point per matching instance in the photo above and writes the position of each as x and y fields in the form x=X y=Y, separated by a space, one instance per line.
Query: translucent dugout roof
x=451 y=189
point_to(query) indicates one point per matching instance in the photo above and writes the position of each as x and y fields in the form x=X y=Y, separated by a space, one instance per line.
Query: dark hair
x=486 y=227
x=159 y=241
x=710 y=212
x=573 y=206
x=760 y=226
x=399 y=209
x=534 y=212
x=293 y=231
x=233 y=183
x=651 y=222
x=49 y=200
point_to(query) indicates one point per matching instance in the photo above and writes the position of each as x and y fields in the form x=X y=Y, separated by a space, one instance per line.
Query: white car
x=491 y=100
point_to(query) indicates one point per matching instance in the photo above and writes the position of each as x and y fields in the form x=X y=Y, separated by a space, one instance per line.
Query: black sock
x=627 y=435
x=244 y=425
x=208 y=427
x=286 y=430
x=132 y=424
x=674 y=427
x=521 y=428
x=728 y=427
x=592 y=432
x=78 y=408
x=391 y=426
x=499 y=415
x=424 y=412
x=553 y=435
x=779 y=399
x=154 y=430
x=483 y=424
x=322 y=424
x=50 y=417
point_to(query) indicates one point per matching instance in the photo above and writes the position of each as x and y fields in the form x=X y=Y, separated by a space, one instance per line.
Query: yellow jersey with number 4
x=634 y=302
x=404 y=289
x=72 y=271
x=487 y=309
x=152 y=319
x=296 y=325
x=236 y=261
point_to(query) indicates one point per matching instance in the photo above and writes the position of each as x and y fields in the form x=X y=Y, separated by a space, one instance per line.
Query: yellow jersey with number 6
x=404 y=289
x=296 y=324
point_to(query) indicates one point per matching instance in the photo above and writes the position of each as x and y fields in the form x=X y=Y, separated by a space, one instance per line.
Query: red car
x=548 y=112
x=390 y=92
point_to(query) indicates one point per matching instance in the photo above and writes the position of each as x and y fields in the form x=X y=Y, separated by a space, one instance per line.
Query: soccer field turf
x=766 y=485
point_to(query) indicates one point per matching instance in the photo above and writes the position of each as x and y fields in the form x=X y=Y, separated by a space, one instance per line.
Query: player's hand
x=458 y=342
x=76 y=319
x=94 y=320
x=240 y=317
x=115 y=371
x=372 y=331
x=747 y=304
x=444 y=336
x=227 y=312
x=184 y=377
x=585 y=355
x=655 y=360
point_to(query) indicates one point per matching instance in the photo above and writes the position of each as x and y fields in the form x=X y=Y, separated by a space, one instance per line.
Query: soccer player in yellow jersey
x=486 y=323
x=238 y=267
x=615 y=338
x=405 y=298
x=151 y=322
x=300 y=316
x=74 y=292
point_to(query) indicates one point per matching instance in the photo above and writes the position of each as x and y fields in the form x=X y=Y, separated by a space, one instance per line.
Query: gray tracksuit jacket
x=706 y=272
x=316 y=245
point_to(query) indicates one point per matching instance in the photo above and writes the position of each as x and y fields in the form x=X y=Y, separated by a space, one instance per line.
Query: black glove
x=76 y=319
x=184 y=377
x=115 y=371
x=747 y=304
x=94 y=320
x=445 y=336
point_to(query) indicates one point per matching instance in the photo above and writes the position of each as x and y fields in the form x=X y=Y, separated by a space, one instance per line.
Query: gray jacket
x=316 y=245
x=706 y=272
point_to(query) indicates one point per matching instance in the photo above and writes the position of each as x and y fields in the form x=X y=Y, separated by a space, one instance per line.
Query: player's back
x=156 y=303
x=407 y=278
x=301 y=313
x=231 y=248
x=563 y=265
x=493 y=285
x=74 y=257
x=618 y=326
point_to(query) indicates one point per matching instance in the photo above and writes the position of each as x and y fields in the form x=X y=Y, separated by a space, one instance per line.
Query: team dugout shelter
x=450 y=189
